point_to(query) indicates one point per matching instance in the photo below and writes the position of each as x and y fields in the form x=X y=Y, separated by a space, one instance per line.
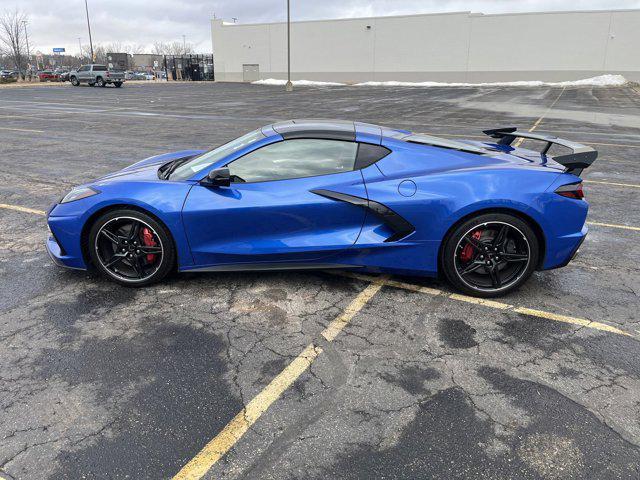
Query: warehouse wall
x=453 y=47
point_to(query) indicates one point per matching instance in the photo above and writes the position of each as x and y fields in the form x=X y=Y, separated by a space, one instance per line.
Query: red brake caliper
x=467 y=252
x=147 y=239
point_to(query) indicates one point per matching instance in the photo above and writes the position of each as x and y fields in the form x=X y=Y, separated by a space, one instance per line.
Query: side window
x=295 y=159
x=369 y=154
x=83 y=68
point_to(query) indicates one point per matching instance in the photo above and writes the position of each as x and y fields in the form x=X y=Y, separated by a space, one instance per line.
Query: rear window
x=99 y=68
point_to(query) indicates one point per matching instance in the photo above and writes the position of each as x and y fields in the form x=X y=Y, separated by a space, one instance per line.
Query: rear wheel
x=131 y=248
x=100 y=82
x=490 y=255
x=117 y=84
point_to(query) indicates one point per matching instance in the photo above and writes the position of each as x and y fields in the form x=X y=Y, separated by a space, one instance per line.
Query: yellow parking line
x=539 y=121
x=573 y=320
x=21 y=130
x=494 y=304
x=631 y=185
x=22 y=209
x=238 y=426
x=613 y=225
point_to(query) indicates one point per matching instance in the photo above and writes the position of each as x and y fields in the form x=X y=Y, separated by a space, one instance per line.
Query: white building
x=452 y=47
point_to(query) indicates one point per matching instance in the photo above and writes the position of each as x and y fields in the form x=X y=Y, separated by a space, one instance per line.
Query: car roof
x=329 y=129
x=347 y=130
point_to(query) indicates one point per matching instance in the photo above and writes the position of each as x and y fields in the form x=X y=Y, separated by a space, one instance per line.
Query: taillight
x=573 y=190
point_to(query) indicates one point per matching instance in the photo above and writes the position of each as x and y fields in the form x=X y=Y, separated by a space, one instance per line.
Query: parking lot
x=313 y=374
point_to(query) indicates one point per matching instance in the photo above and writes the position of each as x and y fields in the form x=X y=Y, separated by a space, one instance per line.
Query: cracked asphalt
x=100 y=381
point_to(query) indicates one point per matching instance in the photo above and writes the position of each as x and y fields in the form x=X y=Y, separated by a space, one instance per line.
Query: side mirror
x=220 y=177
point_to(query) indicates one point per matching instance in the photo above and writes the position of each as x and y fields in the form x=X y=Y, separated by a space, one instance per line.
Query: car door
x=270 y=213
x=83 y=73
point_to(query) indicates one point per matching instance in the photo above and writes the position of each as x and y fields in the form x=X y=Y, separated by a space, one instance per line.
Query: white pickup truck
x=94 y=74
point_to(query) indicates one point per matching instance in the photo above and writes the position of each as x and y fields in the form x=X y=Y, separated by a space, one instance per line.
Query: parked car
x=95 y=74
x=48 y=76
x=334 y=194
x=8 y=76
x=139 y=76
x=63 y=76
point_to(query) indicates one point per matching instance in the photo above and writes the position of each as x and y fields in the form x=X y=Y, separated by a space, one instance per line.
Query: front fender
x=69 y=221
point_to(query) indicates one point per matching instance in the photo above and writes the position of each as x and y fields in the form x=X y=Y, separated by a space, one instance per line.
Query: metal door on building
x=250 y=72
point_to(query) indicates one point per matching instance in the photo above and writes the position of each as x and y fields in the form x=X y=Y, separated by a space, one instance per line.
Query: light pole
x=89 y=28
x=80 y=46
x=289 y=86
x=26 y=37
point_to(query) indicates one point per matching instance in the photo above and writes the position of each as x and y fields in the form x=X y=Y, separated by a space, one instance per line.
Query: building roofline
x=468 y=13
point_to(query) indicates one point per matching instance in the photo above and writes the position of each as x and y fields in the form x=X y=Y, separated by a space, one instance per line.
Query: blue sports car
x=307 y=194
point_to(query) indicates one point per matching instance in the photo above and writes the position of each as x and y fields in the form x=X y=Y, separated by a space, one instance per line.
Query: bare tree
x=173 y=48
x=12 y=38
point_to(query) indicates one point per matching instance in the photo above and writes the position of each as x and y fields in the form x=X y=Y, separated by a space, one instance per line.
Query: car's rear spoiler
x=580 y=157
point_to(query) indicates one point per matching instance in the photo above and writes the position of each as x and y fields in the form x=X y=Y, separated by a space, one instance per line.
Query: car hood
x=147 y=169
x=163 y=158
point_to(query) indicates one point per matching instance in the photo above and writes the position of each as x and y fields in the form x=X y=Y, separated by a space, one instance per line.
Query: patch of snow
x=299 y=83
x=600 y=81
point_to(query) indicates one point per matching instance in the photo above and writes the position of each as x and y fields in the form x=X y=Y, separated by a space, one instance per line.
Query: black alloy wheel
x=491 y=255
x=131 y=248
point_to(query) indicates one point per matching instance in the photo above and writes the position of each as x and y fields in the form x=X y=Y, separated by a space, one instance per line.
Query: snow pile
x=600 y=81
x=297 y=83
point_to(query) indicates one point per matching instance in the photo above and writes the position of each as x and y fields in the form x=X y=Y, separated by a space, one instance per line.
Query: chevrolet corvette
x=309 y=194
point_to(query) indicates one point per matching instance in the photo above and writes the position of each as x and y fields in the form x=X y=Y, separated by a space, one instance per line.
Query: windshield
x=187 y=170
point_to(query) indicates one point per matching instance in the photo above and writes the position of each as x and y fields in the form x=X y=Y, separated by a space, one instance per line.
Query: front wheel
x=75 y=82
x=490 y=255
x=131 y=248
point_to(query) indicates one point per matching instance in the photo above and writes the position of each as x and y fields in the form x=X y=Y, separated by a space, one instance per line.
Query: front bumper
x=63 y=242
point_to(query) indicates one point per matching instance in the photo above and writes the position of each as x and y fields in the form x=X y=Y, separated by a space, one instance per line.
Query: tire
x=75 y=82
x=490 y=255
x=129 y=256
x=100 y=82
x=117 y=84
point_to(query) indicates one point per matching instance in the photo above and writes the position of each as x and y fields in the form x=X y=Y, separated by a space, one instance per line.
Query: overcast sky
x=59 y=23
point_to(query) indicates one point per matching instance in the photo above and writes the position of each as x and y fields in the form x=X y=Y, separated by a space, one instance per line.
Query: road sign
x=58 y=50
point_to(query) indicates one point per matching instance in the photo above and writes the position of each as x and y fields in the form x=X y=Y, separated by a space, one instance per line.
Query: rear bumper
x=564 y=249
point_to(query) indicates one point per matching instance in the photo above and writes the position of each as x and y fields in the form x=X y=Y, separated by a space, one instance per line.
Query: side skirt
x=242 y=267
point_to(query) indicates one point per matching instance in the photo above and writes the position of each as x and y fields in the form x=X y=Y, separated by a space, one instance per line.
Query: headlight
x=79 y=193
